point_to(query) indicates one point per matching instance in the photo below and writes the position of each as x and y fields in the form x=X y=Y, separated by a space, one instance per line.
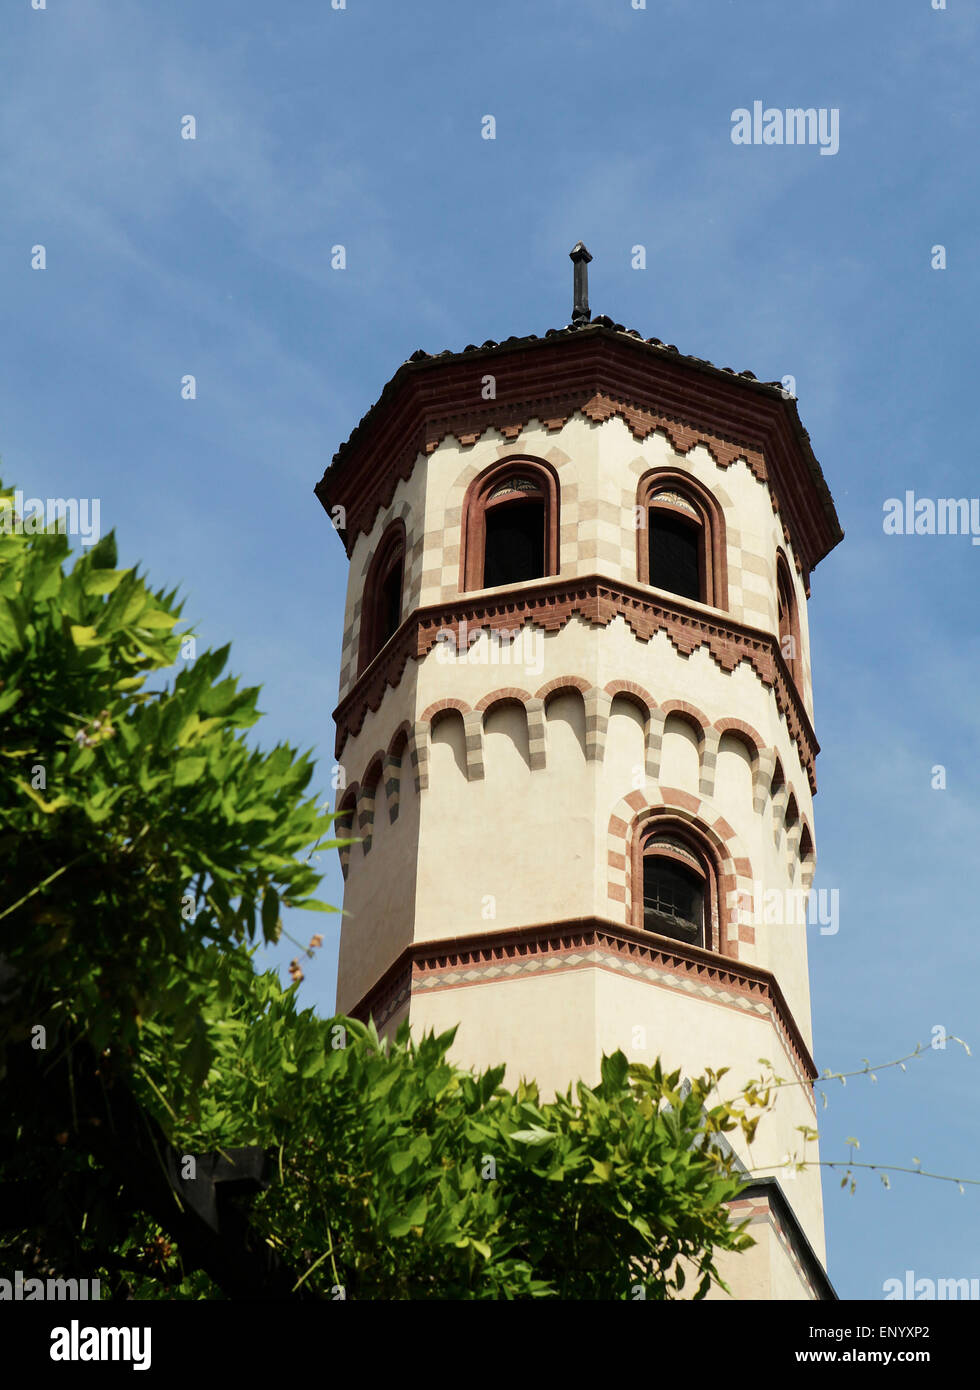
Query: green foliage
x=144 y=847
x=131 y=820
x=403 y=1176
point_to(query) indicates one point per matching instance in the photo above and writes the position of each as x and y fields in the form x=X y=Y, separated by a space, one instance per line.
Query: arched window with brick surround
x=676 y=892
x=510 y=525
x=681 y=544
x=788 y=618
x=381 y=601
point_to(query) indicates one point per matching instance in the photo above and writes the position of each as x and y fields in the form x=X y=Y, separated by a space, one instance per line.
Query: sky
x=362 y=127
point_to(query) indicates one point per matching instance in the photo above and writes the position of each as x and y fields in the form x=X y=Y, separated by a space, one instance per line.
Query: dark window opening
x=381 y=604
x=787 y=644
x=786 y=621
x=514 y=543
x=675 y=559
x=390 y=604
x=673 y=900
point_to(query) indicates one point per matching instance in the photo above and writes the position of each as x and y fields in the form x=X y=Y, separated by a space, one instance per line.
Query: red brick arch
x=711 y=521
x=392 y=549
x=346 y=810
x=740 y=728
x=428 y=714
x=473 y=520
x=399 y=739
x=399 y=745
x=374 y=771
x=639 y=694
x=508 y=693
x=734 y=868
x=370 y=785
x=578 y=683
x=697 y=719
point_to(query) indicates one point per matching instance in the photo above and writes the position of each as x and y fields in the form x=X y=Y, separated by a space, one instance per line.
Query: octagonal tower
x=575 y=722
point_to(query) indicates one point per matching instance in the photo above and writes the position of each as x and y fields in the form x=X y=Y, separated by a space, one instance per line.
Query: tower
x=575 y=722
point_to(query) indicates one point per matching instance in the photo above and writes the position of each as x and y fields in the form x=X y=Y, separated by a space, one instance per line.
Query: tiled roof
x=599 y=321
x=598 y=329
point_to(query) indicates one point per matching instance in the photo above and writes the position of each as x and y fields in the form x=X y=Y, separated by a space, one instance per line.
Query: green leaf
x=48 y=807
x=189 y=770
x=400 y=1224
x=101 y=581
x=153 y=620
x=316 y=1064
x=103 y=554
x=417 y=1213
x=614 y=1071
x=533 y=1136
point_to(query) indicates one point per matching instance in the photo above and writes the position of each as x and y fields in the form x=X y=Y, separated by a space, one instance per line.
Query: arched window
x=679 y=888
x=381 y=602
x=510 y=525
x=681 y=539
x=788 y=618
x=675 y=544
x=515 y=533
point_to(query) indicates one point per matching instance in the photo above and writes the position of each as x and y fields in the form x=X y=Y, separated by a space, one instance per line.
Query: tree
x=171 y=1123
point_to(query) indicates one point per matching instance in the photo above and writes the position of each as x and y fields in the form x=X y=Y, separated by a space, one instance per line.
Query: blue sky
x=362 y=127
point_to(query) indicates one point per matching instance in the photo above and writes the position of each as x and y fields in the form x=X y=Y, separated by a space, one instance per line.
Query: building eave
x=432 y=396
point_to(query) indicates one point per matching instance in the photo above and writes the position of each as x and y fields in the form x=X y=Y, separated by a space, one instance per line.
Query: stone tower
x=575 y=723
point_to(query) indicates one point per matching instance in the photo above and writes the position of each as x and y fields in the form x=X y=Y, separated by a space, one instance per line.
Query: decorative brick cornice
x=586 y=942
x=600 y=373
x=598 y=600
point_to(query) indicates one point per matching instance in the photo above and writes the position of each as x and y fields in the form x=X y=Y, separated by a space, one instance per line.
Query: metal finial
x=580 y=307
